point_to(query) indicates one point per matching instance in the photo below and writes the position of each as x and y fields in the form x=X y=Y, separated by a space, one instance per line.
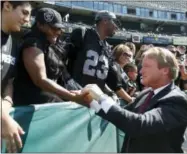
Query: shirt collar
x=156 y=91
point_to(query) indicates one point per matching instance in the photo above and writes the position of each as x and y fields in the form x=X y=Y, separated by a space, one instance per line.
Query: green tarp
x=65 y=127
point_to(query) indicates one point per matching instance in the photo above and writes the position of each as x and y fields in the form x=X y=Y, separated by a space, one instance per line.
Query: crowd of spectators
x=45 y=63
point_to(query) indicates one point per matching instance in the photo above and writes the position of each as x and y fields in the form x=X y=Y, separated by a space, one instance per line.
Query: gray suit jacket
x=160 y=129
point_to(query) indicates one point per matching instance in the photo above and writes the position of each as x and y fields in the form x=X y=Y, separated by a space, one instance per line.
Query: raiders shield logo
x=48 y=16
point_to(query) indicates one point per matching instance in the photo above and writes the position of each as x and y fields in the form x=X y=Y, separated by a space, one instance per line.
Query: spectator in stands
x=89 y=58
x=177 y=54
x=132 y=72
x=138 y=59
x=138 y=56
x=172 y=48
x=40 y=66
x=117 y=79
x=181 y=57
x=156 y=121
x=132 y=47
x=13 y=14
x=183 y=77
x=181 y=49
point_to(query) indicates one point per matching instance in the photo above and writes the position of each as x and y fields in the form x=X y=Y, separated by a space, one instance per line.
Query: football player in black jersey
x=92 y=50
x=14 y=15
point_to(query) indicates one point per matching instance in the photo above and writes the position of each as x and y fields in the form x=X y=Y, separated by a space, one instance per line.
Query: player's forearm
x=51 y=86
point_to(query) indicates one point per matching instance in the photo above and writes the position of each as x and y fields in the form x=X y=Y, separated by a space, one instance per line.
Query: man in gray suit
x=156 y=121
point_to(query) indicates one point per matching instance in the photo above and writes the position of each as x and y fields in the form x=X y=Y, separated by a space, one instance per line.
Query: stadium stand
x=162 y=5
x=141 y=30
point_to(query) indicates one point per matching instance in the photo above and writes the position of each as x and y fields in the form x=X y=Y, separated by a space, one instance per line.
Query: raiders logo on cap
x=49 y=16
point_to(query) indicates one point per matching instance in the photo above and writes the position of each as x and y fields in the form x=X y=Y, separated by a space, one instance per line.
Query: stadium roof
x=178 y=5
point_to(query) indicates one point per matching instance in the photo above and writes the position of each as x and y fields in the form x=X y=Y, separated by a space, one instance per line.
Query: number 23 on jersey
x=91 y=66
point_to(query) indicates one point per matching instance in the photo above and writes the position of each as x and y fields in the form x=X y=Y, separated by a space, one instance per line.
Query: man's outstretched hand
x=94 y=92
x=89 y=93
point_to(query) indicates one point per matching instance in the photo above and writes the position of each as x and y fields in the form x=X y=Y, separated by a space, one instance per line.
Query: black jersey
x=26 y=92
x=9 y=55
x=117 y=78
x=92 y=62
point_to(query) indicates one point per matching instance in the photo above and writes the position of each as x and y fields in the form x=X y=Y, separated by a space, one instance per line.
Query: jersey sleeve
x=77 y=37
x=114 y=81
x=32 y=42
x=73 y=47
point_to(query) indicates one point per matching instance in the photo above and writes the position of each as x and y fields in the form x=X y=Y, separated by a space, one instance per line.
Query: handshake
x=93 y=93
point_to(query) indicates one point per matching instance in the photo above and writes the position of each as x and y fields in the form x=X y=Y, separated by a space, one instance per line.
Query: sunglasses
x=127 y=55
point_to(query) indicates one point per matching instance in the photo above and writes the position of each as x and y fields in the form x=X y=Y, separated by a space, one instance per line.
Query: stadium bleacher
x=139 y=30
x=130 y=26
x=179 y=5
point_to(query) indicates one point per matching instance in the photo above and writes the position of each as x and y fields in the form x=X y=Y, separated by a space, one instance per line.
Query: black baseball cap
x=104 y=14
x=49 y=16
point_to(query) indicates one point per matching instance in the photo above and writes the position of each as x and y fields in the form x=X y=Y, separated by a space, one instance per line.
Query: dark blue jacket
x=160 y=129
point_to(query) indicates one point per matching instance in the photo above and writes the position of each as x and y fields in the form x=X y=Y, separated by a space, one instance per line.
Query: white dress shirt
x=156 y=91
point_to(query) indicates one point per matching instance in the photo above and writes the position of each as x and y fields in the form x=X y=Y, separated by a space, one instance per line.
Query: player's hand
x=79 y=97
x=94 y=91
x=11 y=132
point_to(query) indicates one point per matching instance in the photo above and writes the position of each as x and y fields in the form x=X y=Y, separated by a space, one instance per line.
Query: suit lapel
x=161 y=94
x=141 y=98
x=139 y=101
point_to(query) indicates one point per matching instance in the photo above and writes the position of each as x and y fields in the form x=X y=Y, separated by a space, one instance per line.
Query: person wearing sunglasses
x=132 y=47
x=172 y=48
x=117 y=79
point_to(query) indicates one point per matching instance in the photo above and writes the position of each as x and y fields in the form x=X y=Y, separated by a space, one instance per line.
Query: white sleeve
x=107 y=103
x=95 y=105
